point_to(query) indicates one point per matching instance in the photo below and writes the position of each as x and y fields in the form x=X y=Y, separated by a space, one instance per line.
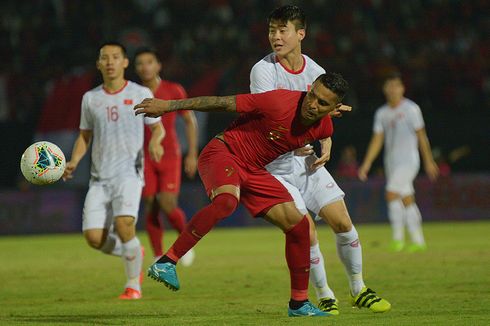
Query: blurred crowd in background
x=48 y=50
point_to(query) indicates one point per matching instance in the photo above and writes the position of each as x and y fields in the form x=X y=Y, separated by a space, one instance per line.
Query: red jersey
x=270 y=126
x=168 y=91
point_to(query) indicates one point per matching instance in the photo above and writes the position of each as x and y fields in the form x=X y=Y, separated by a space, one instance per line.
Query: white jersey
x=269 y=74
x=399 y=126
x=117 y=147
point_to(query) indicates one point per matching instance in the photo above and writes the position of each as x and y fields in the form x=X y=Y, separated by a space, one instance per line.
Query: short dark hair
x=334 y=82
x=392 y=75
x=291 y=13
x=113 y=43
x=146 y=49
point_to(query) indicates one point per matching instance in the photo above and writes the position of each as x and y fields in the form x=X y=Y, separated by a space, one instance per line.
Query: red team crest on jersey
x=128 y=101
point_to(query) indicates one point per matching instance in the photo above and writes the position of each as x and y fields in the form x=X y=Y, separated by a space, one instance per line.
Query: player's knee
x=94 y=240
x=226 y=202
x=167 y=204
x=342 y=227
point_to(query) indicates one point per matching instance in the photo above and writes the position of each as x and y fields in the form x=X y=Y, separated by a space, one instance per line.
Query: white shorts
x=400 y=180
x=106 y=200
x=310 y=190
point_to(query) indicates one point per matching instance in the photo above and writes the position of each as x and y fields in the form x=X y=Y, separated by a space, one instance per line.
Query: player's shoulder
x=132 y=86
x=382 y=109
x=409 y=103
x=93 y=91
x=138 y=90
x=311 y=64
x=170 y=83
x=266 y=62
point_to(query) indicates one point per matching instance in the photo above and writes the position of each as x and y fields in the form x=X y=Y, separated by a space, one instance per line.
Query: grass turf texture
x=240 y=277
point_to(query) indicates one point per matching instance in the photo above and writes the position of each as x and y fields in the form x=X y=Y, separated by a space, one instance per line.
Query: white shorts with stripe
x=400 y=179
x=311 y=190
x=106 y=200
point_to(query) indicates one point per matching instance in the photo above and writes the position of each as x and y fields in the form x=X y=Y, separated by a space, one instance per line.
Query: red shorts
x=259 y=190
x=164 y=176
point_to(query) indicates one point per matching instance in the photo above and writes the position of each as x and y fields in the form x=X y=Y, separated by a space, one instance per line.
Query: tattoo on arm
x=205 y=104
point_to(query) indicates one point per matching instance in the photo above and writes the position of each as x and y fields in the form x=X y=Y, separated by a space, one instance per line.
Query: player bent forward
x=232 y=169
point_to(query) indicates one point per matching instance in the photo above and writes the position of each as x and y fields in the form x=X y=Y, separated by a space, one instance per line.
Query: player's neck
x=114 y=85
x=395 y=102
x=293 y=61
x=153 y=83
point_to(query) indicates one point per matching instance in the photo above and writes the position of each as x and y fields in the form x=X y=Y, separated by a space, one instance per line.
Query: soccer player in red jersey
x=162 y=179
x=232 y=169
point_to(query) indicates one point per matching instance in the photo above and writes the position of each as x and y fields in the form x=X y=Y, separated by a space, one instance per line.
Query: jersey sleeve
x=261 y=79
x=269 y=104
x=146 y=93
x=415 y=117
x=377 y=125
x=86 y=119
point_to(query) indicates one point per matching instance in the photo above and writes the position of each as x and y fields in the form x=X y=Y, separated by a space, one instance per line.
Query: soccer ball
x=42 y=163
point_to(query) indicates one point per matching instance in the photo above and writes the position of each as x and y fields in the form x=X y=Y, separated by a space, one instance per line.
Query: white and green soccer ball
x=42 y=163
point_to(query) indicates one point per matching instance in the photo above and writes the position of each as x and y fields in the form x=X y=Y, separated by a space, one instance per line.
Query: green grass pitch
x=240 y=278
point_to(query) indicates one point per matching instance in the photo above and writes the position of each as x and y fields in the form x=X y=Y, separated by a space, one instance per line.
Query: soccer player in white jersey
x=311 y=186
x=112 y=202
x=400 y=126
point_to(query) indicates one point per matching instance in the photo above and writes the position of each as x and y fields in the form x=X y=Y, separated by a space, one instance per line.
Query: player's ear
x=301 y=33
x=126 y=63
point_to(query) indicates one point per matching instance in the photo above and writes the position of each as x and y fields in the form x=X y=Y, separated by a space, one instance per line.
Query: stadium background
x=48 y=51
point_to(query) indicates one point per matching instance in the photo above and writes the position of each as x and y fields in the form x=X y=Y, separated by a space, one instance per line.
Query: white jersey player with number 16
x=111 y=206
x=311 y=186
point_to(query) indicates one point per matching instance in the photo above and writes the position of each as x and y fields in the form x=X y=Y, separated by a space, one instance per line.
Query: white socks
x=396 y=213
x=350 y=253
x=133 y=261
x=414 y=224
x=318 y=276
x=112 y=245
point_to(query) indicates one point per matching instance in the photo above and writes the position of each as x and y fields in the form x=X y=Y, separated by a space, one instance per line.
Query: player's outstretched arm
x=153 y=107
x=373 y=150
x=79 y=149
x=430 y=165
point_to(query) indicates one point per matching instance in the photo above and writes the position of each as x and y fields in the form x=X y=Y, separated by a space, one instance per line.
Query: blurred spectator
x=348 y=165
x=441 y=48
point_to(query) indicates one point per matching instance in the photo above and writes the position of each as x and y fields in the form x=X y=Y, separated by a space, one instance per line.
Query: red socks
x=154 y=228
x=298 y=259
x=223 y=205
x=177 y=219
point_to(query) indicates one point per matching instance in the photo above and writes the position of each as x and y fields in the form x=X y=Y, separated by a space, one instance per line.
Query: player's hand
x=326 y=147
x=304 y=151
x=363 y=171
x=337 y=113
x=70 y=167
x=152 y=107
x=320 y=162
x=432 y=170
x=190 y=165
x=155 y=151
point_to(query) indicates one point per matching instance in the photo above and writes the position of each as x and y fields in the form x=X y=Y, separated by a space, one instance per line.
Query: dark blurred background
x=48 y=50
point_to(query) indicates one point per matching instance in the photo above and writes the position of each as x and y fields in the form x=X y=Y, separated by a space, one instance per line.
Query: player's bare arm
x=373 y=150
x=190 y=161
x=79 y=149
x=153 y=107
x=430 y=165
x=326 y=145
x=155 y=147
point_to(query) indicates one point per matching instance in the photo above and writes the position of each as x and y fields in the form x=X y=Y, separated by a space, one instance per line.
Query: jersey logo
x=229 y=170
x=277 y=133
x=128 y=101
